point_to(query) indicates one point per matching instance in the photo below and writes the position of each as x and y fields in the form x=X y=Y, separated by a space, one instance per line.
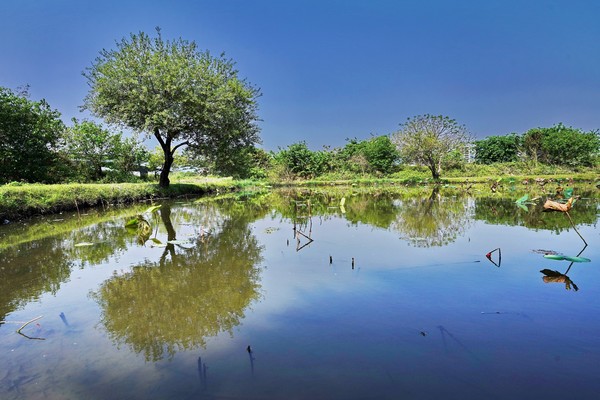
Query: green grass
x=19 y=201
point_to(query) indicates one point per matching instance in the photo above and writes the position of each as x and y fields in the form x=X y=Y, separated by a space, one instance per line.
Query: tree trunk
x=435 y=174
x=164 y=174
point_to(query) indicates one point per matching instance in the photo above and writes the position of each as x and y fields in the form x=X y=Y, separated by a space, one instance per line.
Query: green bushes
x=557 y=146
x=298 y=161
x=377 y=155
x=494 y=149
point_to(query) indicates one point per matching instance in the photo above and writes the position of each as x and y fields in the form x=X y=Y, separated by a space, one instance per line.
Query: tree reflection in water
x=434 y=220
x=186 y=296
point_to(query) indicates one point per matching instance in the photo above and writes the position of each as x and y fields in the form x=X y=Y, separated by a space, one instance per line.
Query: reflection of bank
x=552 y=276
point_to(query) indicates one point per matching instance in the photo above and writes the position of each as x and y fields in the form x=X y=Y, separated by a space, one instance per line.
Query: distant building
x=469 y=153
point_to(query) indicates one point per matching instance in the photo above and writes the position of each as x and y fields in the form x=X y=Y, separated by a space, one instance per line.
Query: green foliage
x=381 y=154
x=376 y=155
x=90 y=147
x=299 y=161
x=128 y=155
x=92 y=150
x=497 y=149
x=455 y=160
x=561 y=145
x=250 y=162
x=30 y=134
x=176 y=93
x=427 y=139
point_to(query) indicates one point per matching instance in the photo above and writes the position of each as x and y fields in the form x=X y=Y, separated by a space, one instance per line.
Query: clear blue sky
x=336 y=69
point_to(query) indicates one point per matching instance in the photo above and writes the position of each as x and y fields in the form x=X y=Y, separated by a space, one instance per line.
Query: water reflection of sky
x=407 y=321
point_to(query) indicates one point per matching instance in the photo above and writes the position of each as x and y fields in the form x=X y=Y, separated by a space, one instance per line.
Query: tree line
x=36 y=145
x=557 y=145
x=203 y=115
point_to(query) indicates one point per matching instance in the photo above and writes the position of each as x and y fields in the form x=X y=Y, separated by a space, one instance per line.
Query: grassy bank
x=20 y=201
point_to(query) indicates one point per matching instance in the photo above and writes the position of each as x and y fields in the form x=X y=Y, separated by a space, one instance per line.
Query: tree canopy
x=427 y=139
x=562 y=145
x=173 y=91
x=497 y=149
x=30 y=134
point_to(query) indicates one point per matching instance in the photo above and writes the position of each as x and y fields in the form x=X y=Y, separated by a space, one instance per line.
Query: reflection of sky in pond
x=406 y=322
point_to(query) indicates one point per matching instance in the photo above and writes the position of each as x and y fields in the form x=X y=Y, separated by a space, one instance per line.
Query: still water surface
x=386 y=294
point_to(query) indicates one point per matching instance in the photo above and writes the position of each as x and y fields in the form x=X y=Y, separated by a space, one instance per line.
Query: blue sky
x=332 y=69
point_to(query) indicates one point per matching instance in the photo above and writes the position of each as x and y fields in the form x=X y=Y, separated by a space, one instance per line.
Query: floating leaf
x=577 y=259
x=158 y=245
x=156 y=241
x=83 y=244
x=560 y=257
x=153 y=209
x=554 y=256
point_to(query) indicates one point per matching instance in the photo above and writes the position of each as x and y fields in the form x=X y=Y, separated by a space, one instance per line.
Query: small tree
x=30 y=136
x=90 y=147
x=427 y=139
x=300 y=161
x=176 y=93
x=381 y=154
x=375 y=155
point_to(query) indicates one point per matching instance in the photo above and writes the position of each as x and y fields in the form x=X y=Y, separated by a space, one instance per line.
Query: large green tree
x=428 y=139
x=30 y=135
x=173 y=91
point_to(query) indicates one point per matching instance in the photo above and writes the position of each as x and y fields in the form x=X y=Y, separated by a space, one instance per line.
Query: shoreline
x=19 y=202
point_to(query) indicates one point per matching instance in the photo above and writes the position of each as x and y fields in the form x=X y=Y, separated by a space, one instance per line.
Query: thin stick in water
x=573 y=225
x=27 y=323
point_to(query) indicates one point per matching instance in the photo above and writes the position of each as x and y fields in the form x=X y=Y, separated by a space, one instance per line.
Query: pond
x=324 y=293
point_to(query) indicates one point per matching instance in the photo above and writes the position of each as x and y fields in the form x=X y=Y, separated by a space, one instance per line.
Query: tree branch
x=186 y=143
